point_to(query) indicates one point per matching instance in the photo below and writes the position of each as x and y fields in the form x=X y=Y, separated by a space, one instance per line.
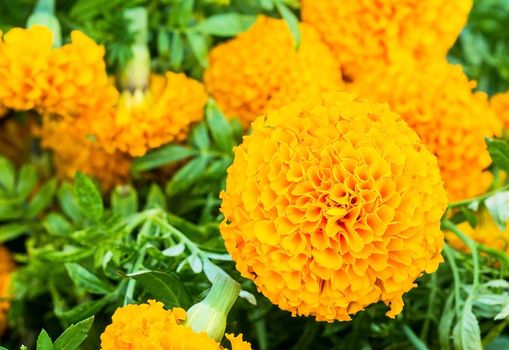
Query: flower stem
x=44 y=14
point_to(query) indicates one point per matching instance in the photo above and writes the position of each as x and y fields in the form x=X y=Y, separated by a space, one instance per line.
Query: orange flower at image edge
x=150 y=326
x=6 y=268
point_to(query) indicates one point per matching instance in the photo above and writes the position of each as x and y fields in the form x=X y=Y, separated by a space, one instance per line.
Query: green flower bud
x=44 y=14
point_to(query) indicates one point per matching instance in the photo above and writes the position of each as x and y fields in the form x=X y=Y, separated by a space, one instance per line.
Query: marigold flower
x=370 y=33
x=500 y=104
x=261 y=69
x=333 y=204
x=150 y=326
x=437 y=101
x=6 y=267
x=75 y=148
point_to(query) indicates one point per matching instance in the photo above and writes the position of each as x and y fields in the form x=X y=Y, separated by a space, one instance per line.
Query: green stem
x=46 y=6
x=131 y=285
x=412 y=337
x=431 y=302
x=455 y=276
x=44 y=14
x=478 y=198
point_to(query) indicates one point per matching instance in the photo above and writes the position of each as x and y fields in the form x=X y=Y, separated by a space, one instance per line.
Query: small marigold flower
x=163 y=114
x=437 y=101
x=365 y=34
x=75 y=148
x=6 y=268
x=500 y=104
x=261 y=69
x=150 y=326
x=333 y=204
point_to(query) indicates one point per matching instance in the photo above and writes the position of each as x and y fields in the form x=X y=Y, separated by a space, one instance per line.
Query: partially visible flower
x=500 y=104
x=150 y=326
x=486 y=232
x=24 y=63
x=163 y=114
x=331 y=205
x=262 y=69
x=75 y=148
x=6 y=268
x=371 y=33
x=437 y=101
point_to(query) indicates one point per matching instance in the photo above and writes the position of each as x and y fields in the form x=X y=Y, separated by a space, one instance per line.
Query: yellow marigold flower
x=24 y=62
x=437 y=101
x=261 y=69
x=75 y=148
x=162 y=115
x=6 y=267
x=150 y=326
x=486 y=232
x=370 y=33
x=331 y=205
x=500 y=104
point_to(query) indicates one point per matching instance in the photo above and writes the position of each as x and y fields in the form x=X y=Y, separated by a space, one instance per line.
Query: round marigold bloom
x=6 y=267
x=369 y=33
x=331 y=205
x=500 y=104
x=75 y=148
x=437 y=101
x=150 y=326
x=143 y=121
x=262 y=69
x=24 y=62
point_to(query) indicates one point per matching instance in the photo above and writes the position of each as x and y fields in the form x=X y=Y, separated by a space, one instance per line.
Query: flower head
x=261 y=69
x=145 y=120
x=500 y=104
x=6 y=267
x=150 y=326
x=333 y=204
x=366 y=34
x=437 y=101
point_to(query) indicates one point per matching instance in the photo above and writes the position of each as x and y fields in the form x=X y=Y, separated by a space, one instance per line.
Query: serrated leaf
x=89 y=198
x=11 y=231
x=44 y=341
x=42 y=199
x=7 y=175
x=186 y=176
x=166 y=288
x=175 y=250
x=226 y=24
x=503 y=314
x=163 y=156
x=73 y=336
x=466 y=333
x=27 y=180
x=87 y=280
x=499 y=152
x=124 y=201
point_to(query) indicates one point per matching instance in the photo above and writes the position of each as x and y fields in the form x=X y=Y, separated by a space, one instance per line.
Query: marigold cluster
x=63 y=80
x=150 y=326
x=437 y=101
x=367 y=33
x=500 y=104
x=262 y=69
x=145 y=120
x=6 y=268
x=333 y=204
x=486 y=232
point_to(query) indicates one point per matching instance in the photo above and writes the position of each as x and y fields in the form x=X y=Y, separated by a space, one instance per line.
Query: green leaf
x=444 y=326
x=291 y=20
x=187 y=175
x=162 y=156
x=199 y=47
x=87 y=280
x=226 y=24
x=86 y=309
x=200 y=136
x=498 y=206
x=69 y=203
x=57 y=225
x=124 y=201
x=7 y=175
x=69 y=254
x=467 y=334
x=44 y=341
x=73 y=336
x=219 y=128
x=155 y=198
x=499 y=152
x=177 y=51
x=27 y=180
x=42 y=199
x=89 y=198
x=10 y=231
x=166 y=288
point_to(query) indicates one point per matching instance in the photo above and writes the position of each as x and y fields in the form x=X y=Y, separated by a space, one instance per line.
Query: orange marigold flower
x=370 y=33
x=148 y=120
x=150 y=326
x=24 y=62
x=500 y=104
x=437 y=101
x=75 y=148
x=333 y=204
x=261 y=69
x=6 y=267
